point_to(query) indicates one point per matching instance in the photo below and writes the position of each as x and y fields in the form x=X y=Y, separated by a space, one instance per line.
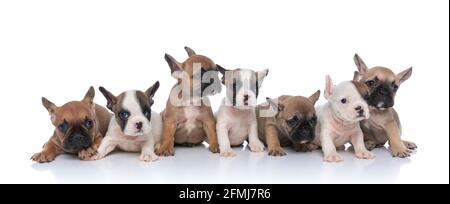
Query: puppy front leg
x=167 y=139
x=48 y=153
x=148 y=151
x=273 y=143
x=224 y=140
x=106 y=146
x=361 y=152
x=209 y=127
x=328 y=147
x=398 y=148
x=254 y=143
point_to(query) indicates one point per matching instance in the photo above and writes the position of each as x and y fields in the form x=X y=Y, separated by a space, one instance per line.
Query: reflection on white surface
x=198 y=165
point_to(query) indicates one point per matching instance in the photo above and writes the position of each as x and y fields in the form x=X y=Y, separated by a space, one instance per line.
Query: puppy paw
x=165 y=151
x=86 y=154
x=227 y=153
x=214 y=148
x=401 y=151
x=277 y=151
x=148 y=157
x=370 y=145
x=333 y=157
x=256 y=146
x=365 y=155
x=43 y=157
x=410 y=145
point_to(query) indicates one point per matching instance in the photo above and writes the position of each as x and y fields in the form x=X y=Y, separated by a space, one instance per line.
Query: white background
x=58 y=49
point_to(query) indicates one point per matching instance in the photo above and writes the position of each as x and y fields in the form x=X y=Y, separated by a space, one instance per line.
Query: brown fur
x=73 y=113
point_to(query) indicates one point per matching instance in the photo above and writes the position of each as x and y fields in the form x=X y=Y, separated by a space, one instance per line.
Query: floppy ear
x=152 y=90
x=89 y=97
x=51 y=107
x=403 y=76
x=328 y=87
x=261 y=75
x=222 y=71
x=362 y=67
x=173 y=64
x=313 y=98
x=110 y=98
x=356 y=76
x=189 y=51
x=275 y=105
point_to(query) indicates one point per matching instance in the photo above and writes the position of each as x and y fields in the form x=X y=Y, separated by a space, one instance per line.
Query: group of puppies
x=359 y=112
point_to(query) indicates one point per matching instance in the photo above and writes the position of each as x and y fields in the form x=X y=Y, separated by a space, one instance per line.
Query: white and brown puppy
x=135 y=126
x=236 y=118
x=339 y=120
x=384 y=123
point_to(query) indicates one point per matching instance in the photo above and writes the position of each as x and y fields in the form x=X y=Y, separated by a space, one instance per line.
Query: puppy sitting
x=384 y=123
x=188 y=118
x=287 y=121
x=135 y=126
x=236 y=118
x=339 y=120
x=79 y=128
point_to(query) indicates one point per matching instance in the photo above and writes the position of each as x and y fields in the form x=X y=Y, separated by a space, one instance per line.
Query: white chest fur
x=191 y=114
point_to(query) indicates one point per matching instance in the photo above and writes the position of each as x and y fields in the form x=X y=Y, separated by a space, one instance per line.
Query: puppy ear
x=328 y=87
x=152 y=90
x=261 y=75
x=275 y=105
x=362 y=67
x=51 y=107
x=356 y=76
x=110 y=98
x=313 y=98
x=403 y=76
x=189 y=51
x=222 y=71
x=173 y=64
x=89 y=97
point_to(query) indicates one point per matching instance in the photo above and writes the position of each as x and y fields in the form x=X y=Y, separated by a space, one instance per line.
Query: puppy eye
x=395 y=88
x=313 y=121
x=88 y=124
x=146 y=112
x=292 y=122
x=370 y=83
x=63 y=127
x=344 y=100
x=366 y=97
x=124 y=115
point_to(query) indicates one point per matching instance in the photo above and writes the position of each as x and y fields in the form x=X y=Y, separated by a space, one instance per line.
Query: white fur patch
x=191 y=114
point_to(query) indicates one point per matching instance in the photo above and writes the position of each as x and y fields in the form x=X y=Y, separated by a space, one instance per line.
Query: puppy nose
x=246 y=97
x=358 y=108
x=139 y=125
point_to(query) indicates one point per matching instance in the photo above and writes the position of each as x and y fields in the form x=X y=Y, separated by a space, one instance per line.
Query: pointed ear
x=89 y=97
x=189 y=51
x=261 y=75
x=152 y=90
x=356 y=76
x=403 y=76
x=362 y=67
x=328 y=87
x=173 y=64
x=110 y=98
x=51 y=107
x=313 y=98
x=275 y=105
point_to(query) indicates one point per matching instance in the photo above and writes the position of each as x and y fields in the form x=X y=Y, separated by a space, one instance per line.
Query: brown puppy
x=292 y=123
x=188 y=118
x=79 y=128
x=384 y=123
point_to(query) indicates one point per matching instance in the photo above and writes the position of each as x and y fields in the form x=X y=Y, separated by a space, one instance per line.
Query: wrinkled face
x=301 y=126
x=348 y=104
x=242 y=86
x=75 y=126
x=383 y=85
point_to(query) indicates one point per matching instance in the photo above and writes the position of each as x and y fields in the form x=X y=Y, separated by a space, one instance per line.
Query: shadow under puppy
x=339 y=120
x=79 y=128
x=134 y=127
x=384 y=123
x=188 y=118
x=287 y=121
x=236 y=118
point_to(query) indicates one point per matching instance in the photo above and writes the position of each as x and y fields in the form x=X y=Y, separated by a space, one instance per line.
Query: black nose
x=358 y=108
x=384 y=91
x=246 y=97
x=78 y=141
x=139 y=125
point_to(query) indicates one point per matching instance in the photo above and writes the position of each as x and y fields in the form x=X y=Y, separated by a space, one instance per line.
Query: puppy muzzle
x=302 y=134
x=382 y=97
x=77 y=141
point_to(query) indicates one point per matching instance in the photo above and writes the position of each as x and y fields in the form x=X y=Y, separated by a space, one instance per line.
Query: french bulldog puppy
x=188 y=118
x=287 y=121
x=134 y=127
x=79 y=128
x=236 y=118
x=384 y=123
x=339 y=120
